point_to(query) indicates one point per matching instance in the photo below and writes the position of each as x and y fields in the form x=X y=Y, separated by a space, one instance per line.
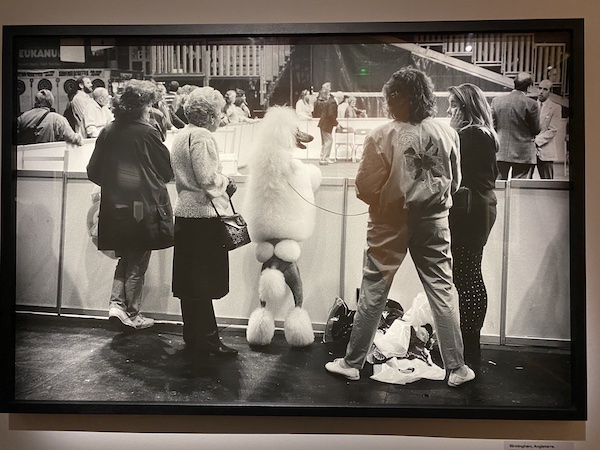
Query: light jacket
x=550 y=114
x=412 y=167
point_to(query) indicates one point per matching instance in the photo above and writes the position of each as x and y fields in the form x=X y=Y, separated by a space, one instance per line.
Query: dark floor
x=73 y=359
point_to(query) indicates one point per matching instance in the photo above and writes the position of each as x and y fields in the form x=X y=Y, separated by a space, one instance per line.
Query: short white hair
x=99 y=92
x=203 y=104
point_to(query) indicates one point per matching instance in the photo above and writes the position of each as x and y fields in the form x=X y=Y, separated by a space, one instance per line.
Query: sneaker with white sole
x=335 y=366
x=141 y=322
x=455 y=380
x=122 y=322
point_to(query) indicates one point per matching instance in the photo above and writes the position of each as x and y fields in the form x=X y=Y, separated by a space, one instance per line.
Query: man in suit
x=516 y=118
x=550 y=114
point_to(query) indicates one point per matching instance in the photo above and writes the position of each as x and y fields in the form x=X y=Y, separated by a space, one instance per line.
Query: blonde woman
x=471 y=116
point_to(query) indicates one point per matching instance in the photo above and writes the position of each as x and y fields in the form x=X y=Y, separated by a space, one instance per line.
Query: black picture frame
x=13 y=36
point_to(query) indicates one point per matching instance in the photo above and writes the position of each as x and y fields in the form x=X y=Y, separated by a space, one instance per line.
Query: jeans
x=428 y=240
x=128 y=282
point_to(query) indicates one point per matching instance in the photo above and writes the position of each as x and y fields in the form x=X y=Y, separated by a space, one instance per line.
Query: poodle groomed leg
x=298 y=326
x=292 y=278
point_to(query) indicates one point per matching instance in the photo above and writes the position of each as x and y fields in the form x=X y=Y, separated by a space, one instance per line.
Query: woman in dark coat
x=471 y=116
x=132 y=166
x=200 y=261
x=326 y=110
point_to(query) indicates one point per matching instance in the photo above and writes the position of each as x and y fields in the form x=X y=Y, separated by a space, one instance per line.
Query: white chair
x=359 y=141
x=344 y=136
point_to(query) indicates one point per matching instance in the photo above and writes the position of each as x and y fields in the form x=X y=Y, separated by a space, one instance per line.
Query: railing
x=218 y=60
x=183 y=58
x=509 y=53
x=550 y=64
x=235 y=60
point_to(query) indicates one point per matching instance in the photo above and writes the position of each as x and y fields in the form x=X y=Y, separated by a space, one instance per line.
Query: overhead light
x=469 y=47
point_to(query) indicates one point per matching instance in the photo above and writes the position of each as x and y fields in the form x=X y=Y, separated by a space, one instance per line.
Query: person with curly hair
x=409 y=170
x=200 y=260
x=132 y=167
x=471 y=116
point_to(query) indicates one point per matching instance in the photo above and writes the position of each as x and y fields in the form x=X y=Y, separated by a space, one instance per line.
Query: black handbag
x=235 y=229
x=461 y=200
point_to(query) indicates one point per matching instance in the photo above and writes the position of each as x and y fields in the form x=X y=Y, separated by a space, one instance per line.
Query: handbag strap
x=41 y=118
x=217 y=211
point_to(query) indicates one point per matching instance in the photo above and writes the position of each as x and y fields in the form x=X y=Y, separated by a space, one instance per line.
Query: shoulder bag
x=235 y=229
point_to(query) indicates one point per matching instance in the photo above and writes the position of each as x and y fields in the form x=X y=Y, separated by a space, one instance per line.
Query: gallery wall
x=153 y=432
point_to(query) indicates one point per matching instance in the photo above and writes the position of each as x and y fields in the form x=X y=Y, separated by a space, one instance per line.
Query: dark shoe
x=212 y=344
x=217 y=349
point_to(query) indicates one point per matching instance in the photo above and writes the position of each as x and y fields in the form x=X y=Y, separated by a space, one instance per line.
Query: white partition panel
x=319 y=265
x=491 y=268
x=525 y=263
x=88 y=273
x=38 y=240
x=406 y=285
x=538 y=297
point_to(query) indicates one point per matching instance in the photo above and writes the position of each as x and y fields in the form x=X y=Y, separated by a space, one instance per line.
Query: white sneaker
x=335 y=366
x=122 y=322
x=455 y=380
x=141 y=322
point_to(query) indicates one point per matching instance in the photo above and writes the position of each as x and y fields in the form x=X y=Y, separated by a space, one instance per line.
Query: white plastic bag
x=403 y=371
x=419 y=313
x=395 y=341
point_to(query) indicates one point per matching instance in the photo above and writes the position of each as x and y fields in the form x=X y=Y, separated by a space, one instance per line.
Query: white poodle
x=280 y=216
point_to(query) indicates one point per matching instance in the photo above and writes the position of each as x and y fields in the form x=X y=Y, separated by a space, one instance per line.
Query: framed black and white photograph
x=120 y=297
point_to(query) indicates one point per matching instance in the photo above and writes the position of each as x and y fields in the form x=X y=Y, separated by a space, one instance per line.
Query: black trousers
x=545 y=169
x=518 y=170
x=199 y=323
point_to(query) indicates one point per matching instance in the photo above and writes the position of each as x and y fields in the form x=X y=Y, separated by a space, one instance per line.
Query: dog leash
x=325 y=209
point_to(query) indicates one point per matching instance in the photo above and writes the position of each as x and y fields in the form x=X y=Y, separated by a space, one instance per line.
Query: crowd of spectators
x=91 y=108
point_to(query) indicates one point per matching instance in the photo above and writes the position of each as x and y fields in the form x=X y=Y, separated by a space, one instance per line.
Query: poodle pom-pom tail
x=271 y=286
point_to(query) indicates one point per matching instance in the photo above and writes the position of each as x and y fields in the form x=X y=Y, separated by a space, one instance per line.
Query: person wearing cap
x=550 y=114
x=516 y=119
x=42 y=124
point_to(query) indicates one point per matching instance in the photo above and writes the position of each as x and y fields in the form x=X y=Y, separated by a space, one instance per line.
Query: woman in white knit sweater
x=200 y=261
